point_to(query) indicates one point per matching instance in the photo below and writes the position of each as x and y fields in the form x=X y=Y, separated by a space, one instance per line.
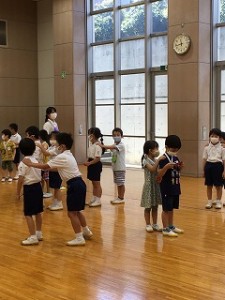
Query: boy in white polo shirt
x=68 y=170
x=30 y=180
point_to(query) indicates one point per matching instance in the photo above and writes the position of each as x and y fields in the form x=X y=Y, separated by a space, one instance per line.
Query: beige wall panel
x=64 y=90
x=189 y=150
x=78 y=5
x=45 y=36
x=60 y=6
x=22 y=36
x=44 y=11
x=204 y=11
x=80 y=143
x=204 y=82
x=63 y=58
x=79 y=58
x=204 y=43
x=18 y=10
x=63 y=24
x=45 y=64
x=65 y=118
x=46 y=91
x=192 y=55
x=202 y=145
x=80 y=119
x=203 y=120
x=18 y=63
x=185 y=120
x=183 y=82
x=183 y=11
x=14 y=91
x=79 y=90
x=23 y=116
x=79 y=26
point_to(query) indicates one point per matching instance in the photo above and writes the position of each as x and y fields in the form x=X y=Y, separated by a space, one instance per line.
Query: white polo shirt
x=50 y=126
x=94 y=151
x=66 y=165
x=53 y=151
x=31 y=175
x=214 y=153
x=37 y=152
x=16 y=138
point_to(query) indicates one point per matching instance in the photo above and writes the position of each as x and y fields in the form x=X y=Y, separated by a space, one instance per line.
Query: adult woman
x=50 y=123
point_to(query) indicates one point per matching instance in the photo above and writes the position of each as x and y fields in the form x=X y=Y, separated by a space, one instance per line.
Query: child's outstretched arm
x=19 y=186
x=168 y=166
x=109 y=147
x=29 y=163
x=153 y=168
x=43 y=150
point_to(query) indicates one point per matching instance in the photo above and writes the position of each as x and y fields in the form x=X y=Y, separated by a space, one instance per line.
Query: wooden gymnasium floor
x=122 y=261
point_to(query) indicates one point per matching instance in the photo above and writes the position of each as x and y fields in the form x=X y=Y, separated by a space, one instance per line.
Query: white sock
x=98 y=199
x=33 y=236
x=79 y=235
x=38 y=232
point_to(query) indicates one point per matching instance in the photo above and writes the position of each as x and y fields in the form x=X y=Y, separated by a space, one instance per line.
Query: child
x=16 y=138
x=118 y=163
x=32 y=132
x=8 y=150
x=44 y=139
x=213 y=166
x=76 y=188
x=94 y=164
x=30 y=180
x=55 y=180
x=50 y=123
x=169 y=178
x=151 y=196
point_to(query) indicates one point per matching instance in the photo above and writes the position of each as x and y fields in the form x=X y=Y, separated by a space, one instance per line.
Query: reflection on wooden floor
x=122 y=261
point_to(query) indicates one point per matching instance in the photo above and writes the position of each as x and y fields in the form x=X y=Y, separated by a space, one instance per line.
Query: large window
x=219 y=57
x=127 y=61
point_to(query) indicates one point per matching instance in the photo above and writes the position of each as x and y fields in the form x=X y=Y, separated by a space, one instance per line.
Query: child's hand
x=18 y=196
x=27 y=162
x=162 y=157
x=87 y=163
x=158 y=179
x=170 y=165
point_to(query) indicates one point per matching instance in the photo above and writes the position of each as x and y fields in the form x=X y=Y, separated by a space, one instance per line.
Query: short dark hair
x=33 y=131
x=222 y=135
x=53 y=134
x=27 y=146
x=215 y=131
x=44 y=135
x=117 y=129
x=7 y=132
x=173 y=141
x=66 y=139
x=13 y=126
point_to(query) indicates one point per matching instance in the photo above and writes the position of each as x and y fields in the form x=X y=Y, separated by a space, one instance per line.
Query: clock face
x=181 y=44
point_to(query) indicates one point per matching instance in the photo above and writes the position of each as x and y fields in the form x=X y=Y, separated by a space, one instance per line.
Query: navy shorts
x=213 y=174
x=17 y=156
x=170 y=202
x=55 y=180
x=33 y=199
x=76 y=194
x=94 y=171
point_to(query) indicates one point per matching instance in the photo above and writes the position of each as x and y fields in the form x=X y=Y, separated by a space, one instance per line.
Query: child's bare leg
x=97 y=189
x=165 y=218
x=57 y=194
x=218 y=192
x=38 y=220
x=170 y=218
x=31 y=225
x=154 y=214
x=121 y=191
x=82 y=219
x=75 y=221
x=147 y=215
x=209 y=192
x=47 y=185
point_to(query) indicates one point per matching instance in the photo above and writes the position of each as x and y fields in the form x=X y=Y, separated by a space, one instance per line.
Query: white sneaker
x=3 y=179
x=149 y=228
x=213 y=202
x=16 y=177
x=218 y=204
x=56 y=206
x=209 y=204
x=87 y=234
x=95 y=202
x=76 y=242
x=169 y=233
x=156 y=227
x=39 y=235
x=117 y=201
x=10 y=179
x=177 y=230
x=31 y=240
x=47 y=195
